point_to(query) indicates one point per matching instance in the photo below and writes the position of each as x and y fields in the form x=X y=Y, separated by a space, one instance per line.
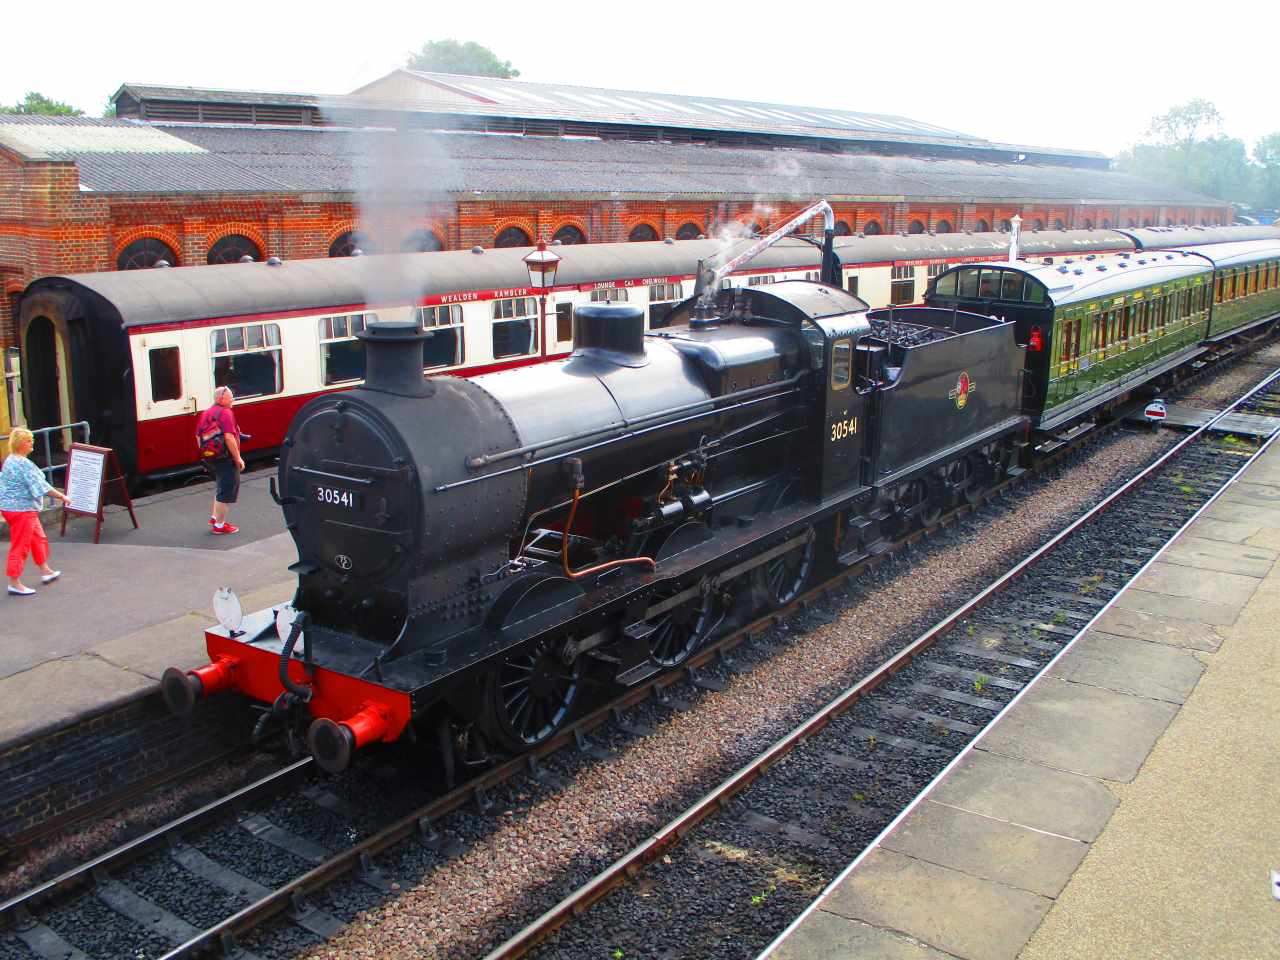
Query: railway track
x=148 y=885
x=854 y=765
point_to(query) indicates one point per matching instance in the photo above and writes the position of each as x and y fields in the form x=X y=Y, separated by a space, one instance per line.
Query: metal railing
x=43 y=435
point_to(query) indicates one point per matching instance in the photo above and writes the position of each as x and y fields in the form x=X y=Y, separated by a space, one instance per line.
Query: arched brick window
x=1006 y=226
x=871 y=228
x=144 y=253
x=512 y=237
x=688 y=231
x=642 y=232
x=917 y=226
x=422 y=241
x=942 y=226
x=1088 y=224
x=569 y=234
x=1131 y=223
x=842 y=229
x=1106 y=224
x=348 y=243
x=1146 y=222
x=232 y=248
x=1037 y=224
x=1168 y=221
x=981 y=226
x=1059 y=225
x=756 y=229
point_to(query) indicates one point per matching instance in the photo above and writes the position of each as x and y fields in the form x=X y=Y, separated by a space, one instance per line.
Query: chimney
x=393 y=358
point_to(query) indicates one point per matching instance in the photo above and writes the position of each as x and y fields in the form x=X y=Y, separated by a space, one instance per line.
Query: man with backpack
x=218 y=437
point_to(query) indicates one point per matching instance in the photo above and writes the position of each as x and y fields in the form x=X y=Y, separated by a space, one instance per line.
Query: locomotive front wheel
x=784 y=577
x=531 y=694
x=678 y=632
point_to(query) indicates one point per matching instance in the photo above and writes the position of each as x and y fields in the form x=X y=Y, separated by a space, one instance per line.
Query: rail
x=627 y=867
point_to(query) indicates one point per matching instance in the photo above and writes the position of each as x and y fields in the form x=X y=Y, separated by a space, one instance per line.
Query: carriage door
x=160 y=382
x=842 y=437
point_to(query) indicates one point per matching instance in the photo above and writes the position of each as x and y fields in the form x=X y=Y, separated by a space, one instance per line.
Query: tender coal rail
x=725 y=887
x=206 y=880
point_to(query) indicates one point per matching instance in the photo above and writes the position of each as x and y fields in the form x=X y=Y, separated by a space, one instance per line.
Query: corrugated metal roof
x=127 y=156
x=149 y=91
x=546 y=99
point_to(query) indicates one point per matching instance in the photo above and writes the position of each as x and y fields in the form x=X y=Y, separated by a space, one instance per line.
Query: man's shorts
x=227 y=478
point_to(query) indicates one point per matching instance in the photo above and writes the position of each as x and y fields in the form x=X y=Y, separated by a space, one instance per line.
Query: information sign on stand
x=94 y=479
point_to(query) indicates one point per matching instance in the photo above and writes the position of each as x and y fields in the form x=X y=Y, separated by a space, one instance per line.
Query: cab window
x=841 y=364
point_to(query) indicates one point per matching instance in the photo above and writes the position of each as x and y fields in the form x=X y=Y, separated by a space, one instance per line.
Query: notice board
x=94 y=479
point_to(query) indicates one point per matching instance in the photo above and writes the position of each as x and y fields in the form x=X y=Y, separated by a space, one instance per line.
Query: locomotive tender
x=470 y=549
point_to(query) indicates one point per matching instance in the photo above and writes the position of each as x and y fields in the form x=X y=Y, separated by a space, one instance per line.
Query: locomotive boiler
x=469 y=551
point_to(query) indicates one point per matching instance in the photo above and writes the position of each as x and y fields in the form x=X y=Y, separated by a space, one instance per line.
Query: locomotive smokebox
x=610 y=331
x=393 y=358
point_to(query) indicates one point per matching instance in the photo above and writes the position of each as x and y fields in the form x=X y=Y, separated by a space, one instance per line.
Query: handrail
x=45 y=432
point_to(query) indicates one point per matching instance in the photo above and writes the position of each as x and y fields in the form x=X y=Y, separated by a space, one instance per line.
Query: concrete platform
x=133 y=604
x=1125 y=805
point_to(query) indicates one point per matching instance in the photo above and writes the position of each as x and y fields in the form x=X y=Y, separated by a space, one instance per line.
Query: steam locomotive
x=471 y=552
x=468 y=548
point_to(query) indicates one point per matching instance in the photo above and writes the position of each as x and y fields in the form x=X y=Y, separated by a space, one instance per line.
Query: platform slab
x=944 y=909
x=1191 y=634
x=987 y=848
x=1027 y=794
x=1176 y=580
x=1179 y=608
x=1206 y=554
x=1130 y=666
x=838 y=938
x=57 y=690
x=1081 y=729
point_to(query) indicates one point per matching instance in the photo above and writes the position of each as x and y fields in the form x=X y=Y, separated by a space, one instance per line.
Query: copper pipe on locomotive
x=574 y=465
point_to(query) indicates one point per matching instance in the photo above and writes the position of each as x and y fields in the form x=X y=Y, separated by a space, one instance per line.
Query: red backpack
x=209 y=438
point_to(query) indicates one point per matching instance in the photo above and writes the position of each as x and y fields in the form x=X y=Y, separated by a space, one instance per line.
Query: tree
x=38 y=103
x=1181 y=126
x=470 y=58
x=109 y=109
x=1266 y=157
x=1186 y=148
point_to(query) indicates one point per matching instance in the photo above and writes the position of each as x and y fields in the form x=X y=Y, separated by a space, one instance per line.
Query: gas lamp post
x=542 y=265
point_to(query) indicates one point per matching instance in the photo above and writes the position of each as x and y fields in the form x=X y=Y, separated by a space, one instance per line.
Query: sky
x=1085 y=75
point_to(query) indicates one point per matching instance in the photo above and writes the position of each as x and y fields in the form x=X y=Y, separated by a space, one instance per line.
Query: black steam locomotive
x=469 y=548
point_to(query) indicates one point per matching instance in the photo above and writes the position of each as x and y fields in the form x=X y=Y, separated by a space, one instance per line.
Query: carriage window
x=851 y=284
x=564 y=322
x=609 y=295
x=989 y=286
x=946 y=286
x=341 y=354
x=515 y=327
x=662 y=297
x=902 y=289
x=1011 y=288
x=166 y=374
x=841 y=364
x=760 y=280
x=1033 y=292
x=443 y=327
x=968 y=284
x=248 y=359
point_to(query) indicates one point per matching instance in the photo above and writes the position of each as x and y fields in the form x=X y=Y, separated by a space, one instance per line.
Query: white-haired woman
x=22 y=492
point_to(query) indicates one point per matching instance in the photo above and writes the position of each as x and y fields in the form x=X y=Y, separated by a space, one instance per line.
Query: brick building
x=422 y=161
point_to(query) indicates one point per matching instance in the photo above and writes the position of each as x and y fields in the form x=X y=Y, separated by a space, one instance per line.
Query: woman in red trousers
x=22 y=492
